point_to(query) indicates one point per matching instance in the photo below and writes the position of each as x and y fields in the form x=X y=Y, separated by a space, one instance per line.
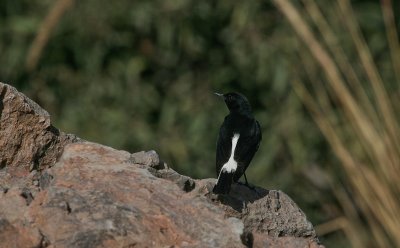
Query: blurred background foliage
x=139 y=75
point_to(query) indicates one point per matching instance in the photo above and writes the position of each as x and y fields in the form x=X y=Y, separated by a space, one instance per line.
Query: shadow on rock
x=240 y=196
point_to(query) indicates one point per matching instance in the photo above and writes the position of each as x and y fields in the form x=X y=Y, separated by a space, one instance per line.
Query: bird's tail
x=224 y=182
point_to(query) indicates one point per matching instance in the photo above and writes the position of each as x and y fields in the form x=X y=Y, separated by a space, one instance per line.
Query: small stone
x=186 y=184
x=45 y=180
x=149 y=158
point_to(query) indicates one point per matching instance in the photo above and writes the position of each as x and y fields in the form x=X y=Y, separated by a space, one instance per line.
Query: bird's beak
x=219 y=94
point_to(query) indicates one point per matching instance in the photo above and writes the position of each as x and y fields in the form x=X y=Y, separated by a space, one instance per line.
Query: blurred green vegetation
x=139 y=75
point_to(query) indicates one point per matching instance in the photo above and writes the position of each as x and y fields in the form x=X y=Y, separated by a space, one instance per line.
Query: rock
x=15 y=227
x=102 y=199
x=185 y=183
x=17 y=235
x=44 y=180
x=27 y=138
x=96 y=196
x=149 y=158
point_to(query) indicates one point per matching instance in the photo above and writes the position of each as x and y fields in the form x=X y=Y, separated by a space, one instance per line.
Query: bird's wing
x=223 y=148
x=258 y=134
x=247 y=146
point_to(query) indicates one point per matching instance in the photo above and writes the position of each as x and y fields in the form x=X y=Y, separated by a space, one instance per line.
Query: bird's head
x=236 y=102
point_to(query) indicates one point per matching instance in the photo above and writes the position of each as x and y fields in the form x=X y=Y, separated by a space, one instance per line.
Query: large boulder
x=28 y=141
x=96 y=196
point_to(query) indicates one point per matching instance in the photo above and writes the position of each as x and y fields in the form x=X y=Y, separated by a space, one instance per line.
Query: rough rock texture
x=95 y=196
x=27 y=138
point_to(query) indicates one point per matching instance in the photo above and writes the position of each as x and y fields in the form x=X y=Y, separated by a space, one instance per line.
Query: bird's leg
x=247 y=183
x=245 y=178
x=249 y=186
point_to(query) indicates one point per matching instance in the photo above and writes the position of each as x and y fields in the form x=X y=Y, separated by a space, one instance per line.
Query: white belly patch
x=231 y=165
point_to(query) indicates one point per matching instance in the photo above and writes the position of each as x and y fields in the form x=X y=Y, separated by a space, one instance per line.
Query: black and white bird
x=238 y=140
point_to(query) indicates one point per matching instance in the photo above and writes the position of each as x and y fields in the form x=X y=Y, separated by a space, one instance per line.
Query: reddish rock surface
x=96 y=196
x=104 y=199
x=28 y=141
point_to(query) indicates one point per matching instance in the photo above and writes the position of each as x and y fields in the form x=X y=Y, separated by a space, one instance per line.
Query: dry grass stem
x=392 y=36
x=47 y=27
x=345 y=115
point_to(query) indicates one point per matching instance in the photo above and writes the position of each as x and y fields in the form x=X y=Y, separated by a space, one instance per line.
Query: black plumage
x=239 y=127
